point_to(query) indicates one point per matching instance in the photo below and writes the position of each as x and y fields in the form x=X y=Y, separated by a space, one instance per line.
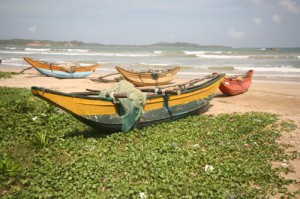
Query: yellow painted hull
x=103 y=114
x=148 y=78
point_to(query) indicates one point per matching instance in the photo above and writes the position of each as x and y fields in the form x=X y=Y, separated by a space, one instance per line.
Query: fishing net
x=69 y=67
x=154 y=75
x=131 y=108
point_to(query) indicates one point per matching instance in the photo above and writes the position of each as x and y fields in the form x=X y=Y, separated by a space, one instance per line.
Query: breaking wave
x=38 y=49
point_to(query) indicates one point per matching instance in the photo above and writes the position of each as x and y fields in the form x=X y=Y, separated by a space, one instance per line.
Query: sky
x=234 y=23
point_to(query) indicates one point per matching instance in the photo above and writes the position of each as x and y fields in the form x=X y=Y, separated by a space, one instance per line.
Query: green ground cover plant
x=5 y=75
x=46 y=153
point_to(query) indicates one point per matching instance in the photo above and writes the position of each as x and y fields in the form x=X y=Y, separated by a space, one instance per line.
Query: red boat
x=237 y=84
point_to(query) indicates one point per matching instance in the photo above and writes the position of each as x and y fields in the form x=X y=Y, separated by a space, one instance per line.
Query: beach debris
x=257 y=120
x=208 y=168
x=284 y=163
x=143 y=195
x=22 y=71
x=102 y=78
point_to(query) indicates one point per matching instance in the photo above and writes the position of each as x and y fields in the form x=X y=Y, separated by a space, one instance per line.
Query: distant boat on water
x=269 y=48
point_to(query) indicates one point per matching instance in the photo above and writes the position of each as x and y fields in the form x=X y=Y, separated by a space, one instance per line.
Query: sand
x=282 y=98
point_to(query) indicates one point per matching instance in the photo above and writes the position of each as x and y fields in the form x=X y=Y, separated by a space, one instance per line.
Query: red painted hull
x=236 y=85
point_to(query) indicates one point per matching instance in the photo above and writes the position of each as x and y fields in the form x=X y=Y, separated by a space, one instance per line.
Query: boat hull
x=62 y=74
x=236 y=85
x=148 y=78
x=102 y=114
x=110 y=123
x=54 y=70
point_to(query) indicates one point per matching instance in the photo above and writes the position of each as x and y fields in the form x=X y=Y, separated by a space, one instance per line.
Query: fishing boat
x=148 y=77
x=61 y=71
x=106 y=114
x=236 y=84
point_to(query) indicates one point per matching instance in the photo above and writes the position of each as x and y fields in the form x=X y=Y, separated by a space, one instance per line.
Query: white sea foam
x=105 y=69
x=273 y=57
x=201 y=73
x=77 y=50
x=11 y=48
x=69 y=53
x=98 y=54
x=194 y=52
x=38 y=49
x=17 y=52
x=215 y=55
x=71 y=50
x=223 y=56
x=13 y=59
x=126 y=54
x=278 y=75
x=154 y=64
x=281 y=69
x=201 y=52
x=193 y=73
x=14 y=62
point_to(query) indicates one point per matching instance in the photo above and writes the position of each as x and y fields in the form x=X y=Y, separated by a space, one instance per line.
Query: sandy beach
x=281 y=98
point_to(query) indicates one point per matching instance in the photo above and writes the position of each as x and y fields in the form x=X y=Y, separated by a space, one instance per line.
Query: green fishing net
x=154 y=75
x=131 y=108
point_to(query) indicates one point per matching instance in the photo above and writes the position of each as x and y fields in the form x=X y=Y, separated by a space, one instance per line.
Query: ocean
x=280 y=64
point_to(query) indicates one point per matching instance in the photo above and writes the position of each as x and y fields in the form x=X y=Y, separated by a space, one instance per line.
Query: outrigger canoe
x=148 y=77
x=237 y=84
x=161 y=105
x=61 y=71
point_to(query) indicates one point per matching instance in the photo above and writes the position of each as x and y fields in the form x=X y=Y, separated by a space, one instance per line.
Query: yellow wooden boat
x=148 y=77
x=104 y=114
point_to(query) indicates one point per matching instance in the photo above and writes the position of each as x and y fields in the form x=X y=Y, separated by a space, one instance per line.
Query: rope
x=111 y=95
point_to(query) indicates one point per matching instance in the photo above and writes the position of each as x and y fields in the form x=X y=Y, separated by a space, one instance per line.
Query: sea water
x=280 y=64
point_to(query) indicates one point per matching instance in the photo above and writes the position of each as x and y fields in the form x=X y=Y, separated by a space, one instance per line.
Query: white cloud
x=290 y=5
x=276 y=18
x=33 y=29
x=236 y=34
x=257 y=21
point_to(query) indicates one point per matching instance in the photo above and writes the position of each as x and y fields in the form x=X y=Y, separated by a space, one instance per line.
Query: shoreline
x=181 y=74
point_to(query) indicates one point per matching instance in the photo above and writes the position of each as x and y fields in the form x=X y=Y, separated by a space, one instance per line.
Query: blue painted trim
x=63 y=75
